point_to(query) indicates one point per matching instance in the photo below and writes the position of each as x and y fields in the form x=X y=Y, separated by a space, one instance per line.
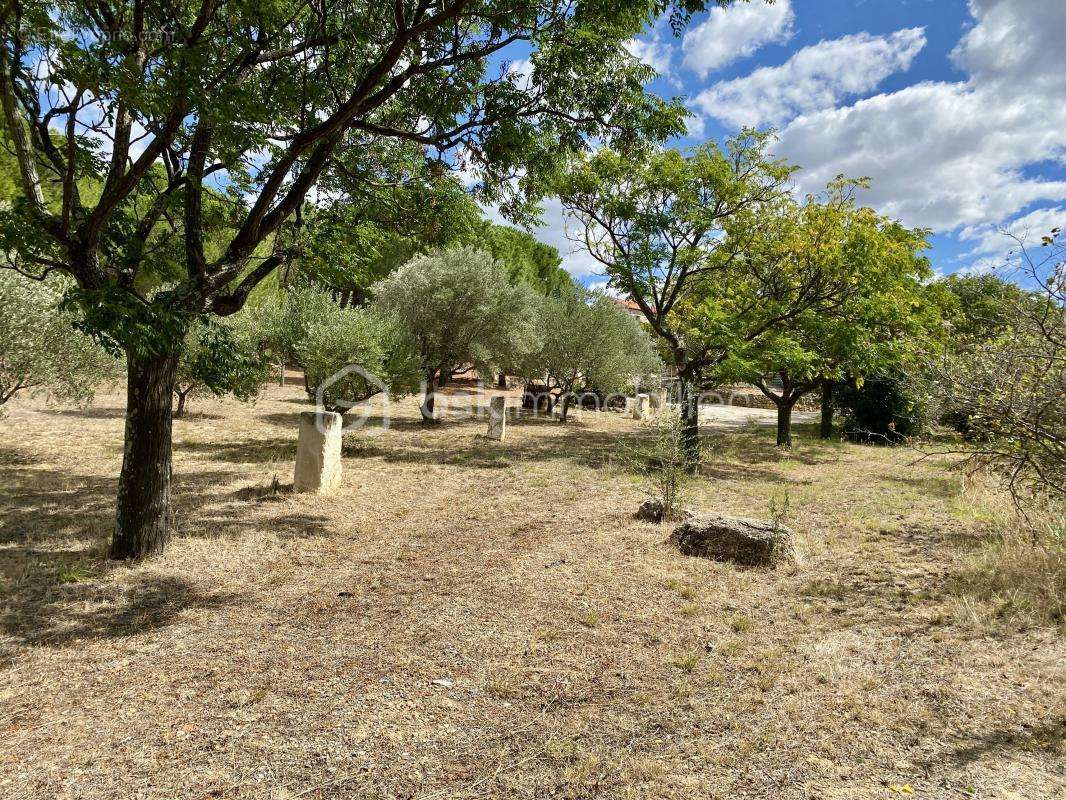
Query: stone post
x=497 y=418
x=630 y=403
x=640 y=407
x=659 y=401
x=318 y=452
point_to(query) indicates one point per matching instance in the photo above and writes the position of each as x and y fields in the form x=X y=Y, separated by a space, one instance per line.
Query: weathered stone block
x=640 y=407
x=652 y=510
x=318 y=452
x=751 y=542
x=497 y=418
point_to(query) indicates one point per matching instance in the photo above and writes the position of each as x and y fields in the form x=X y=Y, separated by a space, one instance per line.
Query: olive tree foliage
x=658 y=223
x=161 y=108
x=221 y=357
x=1010 y=387
x=458 y=309
x=347 y=354
x=39 y=349
x=352 y=354
x=589 y=343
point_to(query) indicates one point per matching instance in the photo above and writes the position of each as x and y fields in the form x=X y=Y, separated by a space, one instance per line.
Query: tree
x=655 y=222
x=827 y=290
x=354 y=337
x=382 y=211
x=1009 y=387
x=248 y=104
x=458 y=308
x=38 y=349
x=526 y=260
x=221 y=358
x=985 y=305
x=589 y=343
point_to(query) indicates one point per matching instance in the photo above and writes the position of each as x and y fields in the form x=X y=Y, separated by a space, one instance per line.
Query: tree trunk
x=281 y=374
x=442 y=379
x=566 y=406
x=428 y=402
x=688 y=401
x=182 y=397
x=784 y=423
x=144 y=517
x=826 y=428
x=501 y=382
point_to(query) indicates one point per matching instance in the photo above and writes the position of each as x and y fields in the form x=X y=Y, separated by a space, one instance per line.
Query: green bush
x=40 y=350
x=886 y=408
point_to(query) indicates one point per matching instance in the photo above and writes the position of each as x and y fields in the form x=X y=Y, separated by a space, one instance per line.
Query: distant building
x=631 y=308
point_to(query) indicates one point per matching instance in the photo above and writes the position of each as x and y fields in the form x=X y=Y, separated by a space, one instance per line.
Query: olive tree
x=351 y=354
x=458 y=308
x=39 y=350
x=589 y=343
x=132 y=123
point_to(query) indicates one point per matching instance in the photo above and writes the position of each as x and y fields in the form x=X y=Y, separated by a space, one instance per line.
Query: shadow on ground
x=55 y=527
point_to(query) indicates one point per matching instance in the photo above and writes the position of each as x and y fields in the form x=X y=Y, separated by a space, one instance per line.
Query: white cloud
x=655 y=52
x=997 y=241
x=695 y=126
x=950 y=154
x=556 y=229
x=735 y=32
x=816 y=77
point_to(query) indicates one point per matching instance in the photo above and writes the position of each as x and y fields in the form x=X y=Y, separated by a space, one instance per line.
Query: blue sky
x=954 y=109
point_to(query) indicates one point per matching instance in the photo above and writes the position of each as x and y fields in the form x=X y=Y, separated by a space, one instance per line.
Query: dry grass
x=469 y=618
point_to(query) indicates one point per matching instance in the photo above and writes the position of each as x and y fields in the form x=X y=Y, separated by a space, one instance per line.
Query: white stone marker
x=630 y=403
x=659 y=401
x=497 y=418
x=640 y=407
x=318 y=452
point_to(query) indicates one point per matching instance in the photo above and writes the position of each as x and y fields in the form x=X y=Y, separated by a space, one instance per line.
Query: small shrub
x=688 y=662
x=660 y=460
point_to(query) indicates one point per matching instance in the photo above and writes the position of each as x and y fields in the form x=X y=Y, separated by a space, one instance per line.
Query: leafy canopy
x=459 y=307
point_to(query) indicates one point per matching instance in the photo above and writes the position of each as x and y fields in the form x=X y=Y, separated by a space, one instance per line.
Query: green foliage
x=457 y=308
x=659 y=458
x=350 y=354
x=285 y=324
x=40 y=350
x=1005 y=386
x=983 y=306
x=125 y=322
x=828 y=290
x=656 y=220
x=887 y=407
x=590 y=343
x=220 y=358
x=526 y=260
x=259 y=104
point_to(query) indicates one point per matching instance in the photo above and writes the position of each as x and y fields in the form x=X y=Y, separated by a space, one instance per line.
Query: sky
x=955 y=110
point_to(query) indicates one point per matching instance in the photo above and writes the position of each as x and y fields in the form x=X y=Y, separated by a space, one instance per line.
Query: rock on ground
x=751 y=542
x=654 y=511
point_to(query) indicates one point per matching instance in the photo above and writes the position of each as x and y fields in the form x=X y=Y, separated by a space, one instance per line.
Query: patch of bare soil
x=469 y=618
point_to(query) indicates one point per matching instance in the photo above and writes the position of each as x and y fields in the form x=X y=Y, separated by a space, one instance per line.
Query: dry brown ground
x=474 y=619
